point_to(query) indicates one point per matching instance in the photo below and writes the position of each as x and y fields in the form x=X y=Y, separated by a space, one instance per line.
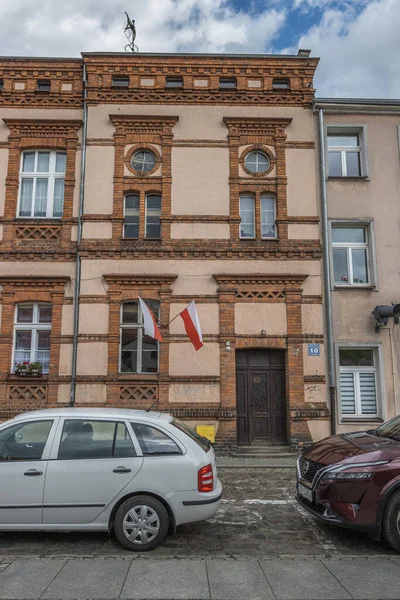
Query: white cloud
x=66 y=28
x=360 y=54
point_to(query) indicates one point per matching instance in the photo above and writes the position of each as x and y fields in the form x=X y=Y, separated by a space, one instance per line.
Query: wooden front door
x=260 y=397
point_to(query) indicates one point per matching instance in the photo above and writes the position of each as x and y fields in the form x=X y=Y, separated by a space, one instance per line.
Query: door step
x=263 y=451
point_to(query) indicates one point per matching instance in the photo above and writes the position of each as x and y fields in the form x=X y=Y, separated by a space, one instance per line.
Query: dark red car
x=353 y=480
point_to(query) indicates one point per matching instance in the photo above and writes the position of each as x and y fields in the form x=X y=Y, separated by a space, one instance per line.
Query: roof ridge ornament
x=130 y=34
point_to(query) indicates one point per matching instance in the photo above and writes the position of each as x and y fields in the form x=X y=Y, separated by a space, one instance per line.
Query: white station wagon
x=137 y=473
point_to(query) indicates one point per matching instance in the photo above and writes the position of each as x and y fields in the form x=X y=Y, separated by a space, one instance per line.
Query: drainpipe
x=327 y=278
x=79 y=238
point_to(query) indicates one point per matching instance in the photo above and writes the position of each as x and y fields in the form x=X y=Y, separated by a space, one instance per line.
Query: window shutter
x=347 y=394
x=368 y=393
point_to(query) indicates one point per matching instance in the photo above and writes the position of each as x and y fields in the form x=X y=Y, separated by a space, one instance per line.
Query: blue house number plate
x=313 y=350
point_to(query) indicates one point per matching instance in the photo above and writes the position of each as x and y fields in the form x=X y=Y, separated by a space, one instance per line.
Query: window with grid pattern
x=32 y=330
x=358 y=382
x=351 y=255
x=139 y=352
x=42 y=177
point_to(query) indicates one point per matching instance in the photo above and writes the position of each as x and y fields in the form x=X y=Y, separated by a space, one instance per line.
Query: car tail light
x=206 y=479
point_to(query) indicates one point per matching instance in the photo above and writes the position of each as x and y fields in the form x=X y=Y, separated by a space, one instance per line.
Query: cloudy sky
x=357 y=40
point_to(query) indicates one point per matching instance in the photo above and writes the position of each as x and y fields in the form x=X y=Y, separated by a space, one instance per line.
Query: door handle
x=121 y=470
x=33 y=473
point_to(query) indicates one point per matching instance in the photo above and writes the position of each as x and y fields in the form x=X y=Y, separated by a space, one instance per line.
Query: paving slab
x=367 y=578
x=166 y=579
x=95 y=578
x=292 y=579
x=235 y=580
x=28 y=579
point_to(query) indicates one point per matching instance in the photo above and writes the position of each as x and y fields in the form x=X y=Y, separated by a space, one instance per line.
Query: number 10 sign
x=314 y=350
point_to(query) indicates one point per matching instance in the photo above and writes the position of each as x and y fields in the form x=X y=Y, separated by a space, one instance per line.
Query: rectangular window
x=82 y=439
x=344 y=153
x=120 y=81
x=32 y=331
x=174 y=82
x=351 y=255
x=227 y=83
x=247 y=214
x=24 y=441
x=1 y=85
x=139 y=353
x=358 y=382
x=154 y=442
x=281 y=84
x=268 y=216
x=132 y=216
x=43 y=85
x=42 y=178
x=153 y=216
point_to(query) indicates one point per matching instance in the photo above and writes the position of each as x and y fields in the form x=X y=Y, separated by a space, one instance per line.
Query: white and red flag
x=192 y=325
x=149 y=321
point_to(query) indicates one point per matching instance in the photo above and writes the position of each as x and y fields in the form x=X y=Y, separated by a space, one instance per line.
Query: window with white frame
x=358 y=370
x=42 y=176
x=153 y=216
x=247 y=215
x=139 y=352
x=32 y=330
x=268 y=216
x=345 y=153
x=351 y=254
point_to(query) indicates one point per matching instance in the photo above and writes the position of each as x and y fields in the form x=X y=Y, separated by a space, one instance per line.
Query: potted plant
x=28 y=369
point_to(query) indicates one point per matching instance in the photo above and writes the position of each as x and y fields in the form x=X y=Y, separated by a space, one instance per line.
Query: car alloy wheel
x=141 y=524
x=391 y=521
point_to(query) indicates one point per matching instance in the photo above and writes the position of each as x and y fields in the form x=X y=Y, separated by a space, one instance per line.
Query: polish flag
x=192 y=325
x=149 y=320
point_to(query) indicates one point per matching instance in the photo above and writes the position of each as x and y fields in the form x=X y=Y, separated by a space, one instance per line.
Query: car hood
x=359 y=446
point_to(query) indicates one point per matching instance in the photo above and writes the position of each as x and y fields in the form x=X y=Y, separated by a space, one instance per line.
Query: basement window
x=43 y=85
x=1 y=85
x=174 y=82
x=119 y=81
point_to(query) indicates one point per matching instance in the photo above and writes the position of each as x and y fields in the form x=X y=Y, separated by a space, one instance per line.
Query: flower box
x=28 y=373
x=27 y=369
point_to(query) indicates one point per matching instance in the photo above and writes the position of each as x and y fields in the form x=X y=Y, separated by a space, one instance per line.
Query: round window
x=256 y=162
x=143 y=161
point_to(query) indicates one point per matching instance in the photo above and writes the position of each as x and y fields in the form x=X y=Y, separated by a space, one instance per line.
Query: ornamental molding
x=154 y=281
x=242 y=126
x=142 y=124
x=44 y=128
x=31 y=283
x=259 y=279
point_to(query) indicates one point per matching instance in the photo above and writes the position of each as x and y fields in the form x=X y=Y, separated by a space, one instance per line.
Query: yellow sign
x=207 y=431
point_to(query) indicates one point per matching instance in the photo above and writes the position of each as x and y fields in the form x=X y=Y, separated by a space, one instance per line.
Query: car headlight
x=341 y=473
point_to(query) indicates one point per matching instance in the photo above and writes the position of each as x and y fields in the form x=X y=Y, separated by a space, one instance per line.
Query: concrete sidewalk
x=145 y=578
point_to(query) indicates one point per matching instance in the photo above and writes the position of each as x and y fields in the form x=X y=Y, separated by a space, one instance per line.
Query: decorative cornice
x=260 y=279
x=64 y=128
x=30 y=281
x=128 y=279
x=256 y=126
x=143 y=124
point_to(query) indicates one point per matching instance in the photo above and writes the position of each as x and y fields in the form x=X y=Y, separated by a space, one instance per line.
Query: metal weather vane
x=130 y=33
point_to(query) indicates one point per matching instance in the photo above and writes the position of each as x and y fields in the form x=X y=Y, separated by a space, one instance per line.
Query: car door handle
x=33 y=473
x=121 y=470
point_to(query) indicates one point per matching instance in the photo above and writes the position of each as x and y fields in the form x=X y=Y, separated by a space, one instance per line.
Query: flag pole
x=175 y=317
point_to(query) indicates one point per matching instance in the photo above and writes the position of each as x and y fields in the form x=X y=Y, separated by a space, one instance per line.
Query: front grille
x=309 y=468
x=319 y=508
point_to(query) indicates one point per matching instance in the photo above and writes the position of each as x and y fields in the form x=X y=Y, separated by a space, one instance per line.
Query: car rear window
x=154 y=442
x=201 y=441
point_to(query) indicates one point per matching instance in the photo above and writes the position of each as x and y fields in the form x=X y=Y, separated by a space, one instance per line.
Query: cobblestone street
x=258 y=517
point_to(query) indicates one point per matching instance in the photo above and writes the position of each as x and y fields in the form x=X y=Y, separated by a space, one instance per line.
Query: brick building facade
x=173 y=178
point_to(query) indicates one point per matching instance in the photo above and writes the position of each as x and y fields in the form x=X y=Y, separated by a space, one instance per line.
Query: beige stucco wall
x=201 y=122
x=300 y=231
x=99 y=180
x=314 y=365
x=184 y=360
x=90 y=393
x=208 y=317
x=315 y=392
x=64 y=390
x=97 y=230
x=200 y=181
x=312 y=318
x=250 y=319
x=319 y=429
x=187 y=393
x=205 y=231
x=67 y=320
x=301 y=187
x=65 y=365
x=196 y=276
x=35 y=268
x=93 y=318
x=3 y=175
x=92 y=358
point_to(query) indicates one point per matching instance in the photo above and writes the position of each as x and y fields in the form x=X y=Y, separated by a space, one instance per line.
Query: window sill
x=25 y=378
x=345 y=178
x=354 y=287
x=152 y=377
x=125 y=239
x=361 y=420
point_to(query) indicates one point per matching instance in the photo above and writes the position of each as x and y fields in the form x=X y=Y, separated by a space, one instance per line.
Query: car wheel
x=391 y=521
x=141 y=523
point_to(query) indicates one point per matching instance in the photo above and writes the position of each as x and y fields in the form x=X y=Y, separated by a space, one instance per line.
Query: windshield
x=201 y=441
x=390 y=429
